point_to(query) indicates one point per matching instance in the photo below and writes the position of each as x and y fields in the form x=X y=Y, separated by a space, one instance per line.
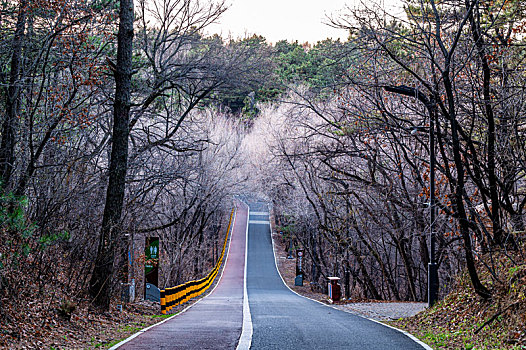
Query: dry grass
x=465 y=321
x=44 y=321
x=44 y=327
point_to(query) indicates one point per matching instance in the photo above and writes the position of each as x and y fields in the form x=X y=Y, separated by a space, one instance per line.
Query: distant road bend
x=280 y=319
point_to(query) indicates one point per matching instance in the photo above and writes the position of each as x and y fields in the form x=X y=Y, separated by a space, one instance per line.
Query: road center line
x=260 y=213
x=246 y=334
x=260 y=222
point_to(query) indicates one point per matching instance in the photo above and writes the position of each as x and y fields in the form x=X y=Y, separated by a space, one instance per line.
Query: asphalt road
x=283 y=320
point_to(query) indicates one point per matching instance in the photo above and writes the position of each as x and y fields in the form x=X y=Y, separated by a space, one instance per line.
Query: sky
x=301 y=20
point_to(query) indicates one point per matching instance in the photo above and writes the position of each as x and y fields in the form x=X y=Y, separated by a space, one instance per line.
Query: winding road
x=273 y=318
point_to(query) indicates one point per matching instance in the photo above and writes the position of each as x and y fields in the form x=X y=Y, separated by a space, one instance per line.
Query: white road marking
x=259 y=213
x=245 y=341
x=261 y=222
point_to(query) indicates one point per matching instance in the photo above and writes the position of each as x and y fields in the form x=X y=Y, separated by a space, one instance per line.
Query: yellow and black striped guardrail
x=180 y=294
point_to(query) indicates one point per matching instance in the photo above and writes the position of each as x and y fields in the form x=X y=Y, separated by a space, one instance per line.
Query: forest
x=122 y=120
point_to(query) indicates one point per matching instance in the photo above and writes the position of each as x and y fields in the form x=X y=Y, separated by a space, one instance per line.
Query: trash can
x=335 y=292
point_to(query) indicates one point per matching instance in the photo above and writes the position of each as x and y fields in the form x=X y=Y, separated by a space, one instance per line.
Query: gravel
x=384 y=311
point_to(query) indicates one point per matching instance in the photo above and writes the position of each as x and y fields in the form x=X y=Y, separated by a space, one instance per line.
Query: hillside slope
x=462 y=320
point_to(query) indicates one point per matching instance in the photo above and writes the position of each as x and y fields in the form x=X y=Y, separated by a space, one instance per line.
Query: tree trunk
x=458 y=204
x=101 y=284
x=12 y=104
x=498 y=232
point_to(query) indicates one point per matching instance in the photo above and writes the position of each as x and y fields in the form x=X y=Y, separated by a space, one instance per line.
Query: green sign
x=152 y=255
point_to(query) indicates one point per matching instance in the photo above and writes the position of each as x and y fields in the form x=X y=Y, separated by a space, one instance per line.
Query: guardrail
x=180 y=294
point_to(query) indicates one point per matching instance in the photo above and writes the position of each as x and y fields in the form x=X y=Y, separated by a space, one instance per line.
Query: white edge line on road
x=245 y=341
x=412 y=337
x=133 y=336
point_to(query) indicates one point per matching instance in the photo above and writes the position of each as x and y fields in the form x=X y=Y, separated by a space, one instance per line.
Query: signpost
x=298 y=281
x=151 y=267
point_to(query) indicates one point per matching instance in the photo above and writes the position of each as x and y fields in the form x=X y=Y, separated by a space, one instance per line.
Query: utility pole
x=432 y=268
